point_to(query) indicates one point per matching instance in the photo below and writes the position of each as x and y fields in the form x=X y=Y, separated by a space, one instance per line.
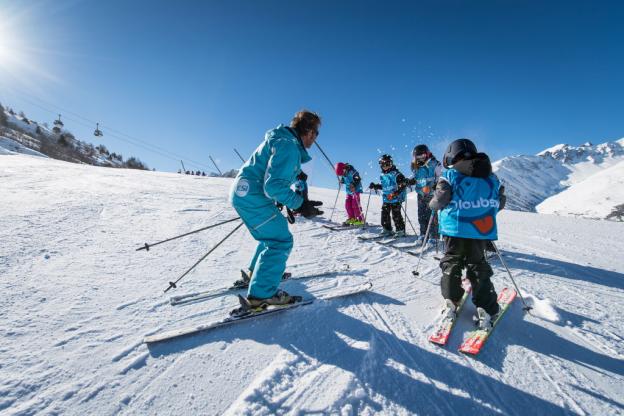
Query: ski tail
x=475 y=341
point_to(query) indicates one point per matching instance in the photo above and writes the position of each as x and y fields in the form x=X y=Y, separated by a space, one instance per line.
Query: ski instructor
x=264 y=181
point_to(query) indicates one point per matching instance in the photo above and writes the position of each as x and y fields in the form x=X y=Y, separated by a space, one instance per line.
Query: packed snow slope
x=77 y=300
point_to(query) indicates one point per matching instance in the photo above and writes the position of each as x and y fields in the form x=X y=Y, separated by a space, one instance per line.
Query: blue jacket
x=426 y=176
x=471 y=212
x=268 y=174
x=350 y=177
x=391 y=182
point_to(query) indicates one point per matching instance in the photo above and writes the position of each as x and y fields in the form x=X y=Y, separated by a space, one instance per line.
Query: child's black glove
x=309 y=209
x=411 y=181
x=374 y=186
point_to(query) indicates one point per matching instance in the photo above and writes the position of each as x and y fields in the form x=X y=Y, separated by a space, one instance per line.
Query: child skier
x=301 y=185
x=393 y=186
x=468 y=196
x=353 y=188
x=426 y=170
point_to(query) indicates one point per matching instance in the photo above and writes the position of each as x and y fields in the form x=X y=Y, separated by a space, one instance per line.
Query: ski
x=346 y=227
x=176 y=333
x=390 y=242
x=444 y=327
x=475 y=341
x=209 y=294
x=373 y=237
x=339 y=227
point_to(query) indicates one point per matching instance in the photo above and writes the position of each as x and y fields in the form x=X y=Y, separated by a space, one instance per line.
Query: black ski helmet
x=385 y=159
x=459 y=149
x=420 y=149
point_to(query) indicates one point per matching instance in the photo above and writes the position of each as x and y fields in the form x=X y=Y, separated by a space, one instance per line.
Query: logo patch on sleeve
x=242 y=188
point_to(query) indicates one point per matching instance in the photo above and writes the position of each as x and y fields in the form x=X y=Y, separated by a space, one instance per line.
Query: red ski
x=443 y=329
x=476 y=339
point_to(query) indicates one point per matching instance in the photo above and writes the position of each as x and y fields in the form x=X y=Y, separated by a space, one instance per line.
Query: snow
x=78 y=300
x=593 y=197
x=11 y=147
x=553 y=149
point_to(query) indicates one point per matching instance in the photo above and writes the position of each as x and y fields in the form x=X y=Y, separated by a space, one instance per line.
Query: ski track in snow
x=78 y=300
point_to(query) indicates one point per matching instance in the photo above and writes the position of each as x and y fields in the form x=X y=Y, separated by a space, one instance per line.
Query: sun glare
x=21 y=60
x=8 y=52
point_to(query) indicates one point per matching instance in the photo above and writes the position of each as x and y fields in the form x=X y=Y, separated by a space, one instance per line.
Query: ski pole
x=424 y=244
x=146 y=247
x=526 y=308
x=326 y=157
x=331 y=165
x=172 y=285
x=370 y=192
x=239 y=155
x=335 y=202
x=407 y=217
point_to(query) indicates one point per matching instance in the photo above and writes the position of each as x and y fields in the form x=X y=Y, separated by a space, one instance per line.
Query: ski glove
x=309 y=209
x=411 y=181
x=375 y=186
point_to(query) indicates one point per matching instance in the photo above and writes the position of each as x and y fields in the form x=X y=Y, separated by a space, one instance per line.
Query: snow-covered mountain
x=77 y=300
x=531 y=180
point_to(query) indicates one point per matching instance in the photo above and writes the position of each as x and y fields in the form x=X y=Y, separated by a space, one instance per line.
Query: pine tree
x=3 y=117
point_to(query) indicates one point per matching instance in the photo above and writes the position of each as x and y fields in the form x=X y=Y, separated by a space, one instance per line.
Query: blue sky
x=197 y=78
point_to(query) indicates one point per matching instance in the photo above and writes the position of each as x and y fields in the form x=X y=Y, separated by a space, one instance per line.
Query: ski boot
x=449 y=311
x=399 y=234
x=485 y=321
x=357 y=223
x=348 y=222
x=387 y=232
x=281 y=297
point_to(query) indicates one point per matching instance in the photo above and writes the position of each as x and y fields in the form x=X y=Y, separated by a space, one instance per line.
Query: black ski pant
x=424 y=213
x=467 y=253
x=394 y=209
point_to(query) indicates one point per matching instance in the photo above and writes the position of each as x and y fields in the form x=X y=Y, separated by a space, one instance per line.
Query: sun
x=8 y=47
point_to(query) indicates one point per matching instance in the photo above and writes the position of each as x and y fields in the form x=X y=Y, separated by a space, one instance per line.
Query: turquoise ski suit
x=426 y=176
x=349 y=178
x=261 y=182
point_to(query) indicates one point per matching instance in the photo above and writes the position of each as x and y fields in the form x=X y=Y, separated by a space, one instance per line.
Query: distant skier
x=393 y=186
x=264 y=180
x=426 y=171
x=468 y=196
x=301 y=185
x=353 y=188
